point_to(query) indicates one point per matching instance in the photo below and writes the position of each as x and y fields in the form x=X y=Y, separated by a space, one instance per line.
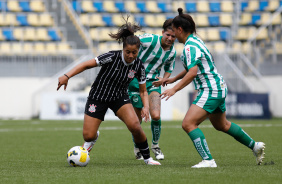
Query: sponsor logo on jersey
x=188 y=56
x=131 y=74
x=92 y=108
x=106 y=60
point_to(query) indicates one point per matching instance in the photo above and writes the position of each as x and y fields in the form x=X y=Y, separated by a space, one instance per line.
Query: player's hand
x=159 y=82
x=167 y=81
x=167 y=93
x=145 y=114
x=63 y=80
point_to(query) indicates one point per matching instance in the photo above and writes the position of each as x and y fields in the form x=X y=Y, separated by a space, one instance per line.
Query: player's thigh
x=155 y=105
x=138 y=113
x=127 y=114
x=90 y=127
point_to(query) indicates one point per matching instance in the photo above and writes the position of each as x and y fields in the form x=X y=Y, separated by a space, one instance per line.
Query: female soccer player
x=109 y=90
x=212 y=90
x=155 y=52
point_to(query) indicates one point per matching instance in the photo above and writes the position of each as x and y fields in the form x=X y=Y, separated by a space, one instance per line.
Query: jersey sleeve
x=141 y=75
x=169 y=65
x=105 y=58
x=192 y=56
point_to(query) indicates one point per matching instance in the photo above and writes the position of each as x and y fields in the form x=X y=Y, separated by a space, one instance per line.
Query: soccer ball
x=78 y=156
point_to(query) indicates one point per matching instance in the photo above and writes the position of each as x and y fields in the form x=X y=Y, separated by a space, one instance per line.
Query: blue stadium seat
x=3 y=6
x=162 y=6
x=108 y=20
x=22 y=19
x=140 y=20
x=191 y=7
x=263 y=5
x=77 y=6
x=120 y=6
x=255 y=18
x=53 y=35
x=25 y=6
x=214 y=20
x=215 y=6
x=141 y=6
x=224 y=35
x=99 y=6
x=244 y=5
x=8 y=34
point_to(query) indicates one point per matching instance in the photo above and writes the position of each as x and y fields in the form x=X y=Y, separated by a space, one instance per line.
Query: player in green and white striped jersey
x=210 y=102
x=155 y=52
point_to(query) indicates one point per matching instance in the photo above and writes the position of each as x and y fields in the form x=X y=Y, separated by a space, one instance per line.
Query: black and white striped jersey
x=114 y=76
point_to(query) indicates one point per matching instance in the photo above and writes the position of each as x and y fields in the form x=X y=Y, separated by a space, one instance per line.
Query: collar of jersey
x=188 y=38
x=123 y=60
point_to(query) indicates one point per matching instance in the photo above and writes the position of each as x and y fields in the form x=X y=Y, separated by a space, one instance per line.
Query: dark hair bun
x=180 y=11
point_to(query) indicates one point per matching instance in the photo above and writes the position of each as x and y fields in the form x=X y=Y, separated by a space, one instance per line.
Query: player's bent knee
x=88 y=136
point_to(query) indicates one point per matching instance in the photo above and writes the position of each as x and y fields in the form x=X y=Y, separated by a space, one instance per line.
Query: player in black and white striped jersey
x=109 y=90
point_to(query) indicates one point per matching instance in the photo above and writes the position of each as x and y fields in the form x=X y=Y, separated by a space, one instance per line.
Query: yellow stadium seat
x=209 y=46
x=203 y=6
x=265 y=18
x=219 y=46
x=246 y=47
x=150 y=20
x=51 y=48
x=2 y=20
x=5 y=48
x=178 y=4
x=37 y=6
x=131 y=6
x=115 y=46
x=277 y=20
x=201 y=20
x=263 y=35
x=236 y=47
x=94 y=34
x=46 y=19
x=118 y=20
x=213 y=34
x=84 y=19
x=96 y=20
x=17 y=48
x=33 y=19
x=104 y=34
x=252 y=6
x=40 y=48
x=11 y=19
x=28 y=48
x=272 y=5
x=29 y=34
x=202 y=34
x=63 y=47
x=225 y=19
x=42 y=34
x=109 y=6
x=88 y=6
x=179 y=48
x=18 y=33
x=160 y=19
x=1 y=35
x=152 y=6
x=158 y=31
x=245 y=19
x=242 y=33
x=14 y=6
x=103 y=47
x=227 y=6
x=251 y=31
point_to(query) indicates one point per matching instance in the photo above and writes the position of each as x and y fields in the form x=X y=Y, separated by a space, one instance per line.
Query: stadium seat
x=53 y=34
x=29 y=34
x=203 y=6
x=24 y=6
x=263 y=4
x=246 y=47
x=42 y=34
x=227 y=6
x=5 y=48
x=255 y=18
x=17 y=48
x=224 y=34
x=219 y=46
x=2 y=38
x=28 y=48
x=160 y=19
x=51 y=48
x=87 y=6
x=178 y=4
x=108 y=20
x=277 y=20
x=96 y=20
x=209 y=46
x=85 y=19
x=150 y=20
x=109 y=6
x=33 y=19
x=18 y=33
x=236 y=47
x=202 y=34
x=104 y=34
x=11 y=19
x=2 y=19
x=98 y=5
x=213 y=20
x=8 y=34
x=263 y=34
x=225 y=19
x=152 y=6
x=244 y=5
x=190 y=7
x=163 y=7
x=215 y=6
x=242 y=33
x=120 y=6
x=3 y=6
x=94 y=34
x=76 y=5
x=272 y=5
x=252 y=6
x=179 y=48
x=245 y=19
x=118 y=20
x=40 y=48
x=46 y=19
x=141 y=6
x=213 y=34
x=22 y=19
x=37 y=6
x=63 y=47
x=131 y=6
x=201 y=20
x=140 y=20
x=14 y=6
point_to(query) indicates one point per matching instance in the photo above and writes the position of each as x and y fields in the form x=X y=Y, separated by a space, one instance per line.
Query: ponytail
x=185 y=21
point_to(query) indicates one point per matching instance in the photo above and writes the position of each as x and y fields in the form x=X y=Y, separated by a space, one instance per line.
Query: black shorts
x=97 y=109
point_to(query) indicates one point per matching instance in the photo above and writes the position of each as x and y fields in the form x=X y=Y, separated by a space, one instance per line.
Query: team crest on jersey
x=131 y=73
x=92 y=108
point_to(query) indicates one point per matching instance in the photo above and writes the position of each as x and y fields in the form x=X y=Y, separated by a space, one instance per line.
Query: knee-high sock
x=144 y=149
x=156 y=131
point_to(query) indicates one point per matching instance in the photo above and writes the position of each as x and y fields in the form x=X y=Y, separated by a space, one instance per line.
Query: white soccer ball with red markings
x=78 y=157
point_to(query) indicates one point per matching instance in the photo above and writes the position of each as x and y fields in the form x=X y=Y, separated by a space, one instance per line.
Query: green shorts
x=210 y=104
x=134 y=95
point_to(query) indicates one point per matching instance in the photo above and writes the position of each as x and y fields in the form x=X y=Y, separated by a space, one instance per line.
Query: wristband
x=66 y=76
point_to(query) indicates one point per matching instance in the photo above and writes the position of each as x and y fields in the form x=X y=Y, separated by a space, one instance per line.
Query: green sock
x=200 y=143
x=156 y=131
x=240 y=135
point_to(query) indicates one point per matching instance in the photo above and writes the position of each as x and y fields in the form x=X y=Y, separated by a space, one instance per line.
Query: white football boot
x=138 y=154
x=89 y=145
x=205 y=163
x=258 y=151
x=157 y=151
x=150 y=161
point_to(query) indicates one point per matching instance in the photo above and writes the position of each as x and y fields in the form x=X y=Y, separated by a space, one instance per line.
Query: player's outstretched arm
x=145 y=100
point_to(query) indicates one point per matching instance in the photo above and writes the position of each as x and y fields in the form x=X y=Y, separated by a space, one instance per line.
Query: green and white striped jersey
x=154 y=57
x=208 y=79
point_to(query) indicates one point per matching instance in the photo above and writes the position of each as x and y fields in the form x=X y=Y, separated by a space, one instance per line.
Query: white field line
x=121 y=128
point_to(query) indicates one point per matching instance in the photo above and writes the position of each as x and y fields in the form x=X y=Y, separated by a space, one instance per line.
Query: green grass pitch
x=34 y=151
